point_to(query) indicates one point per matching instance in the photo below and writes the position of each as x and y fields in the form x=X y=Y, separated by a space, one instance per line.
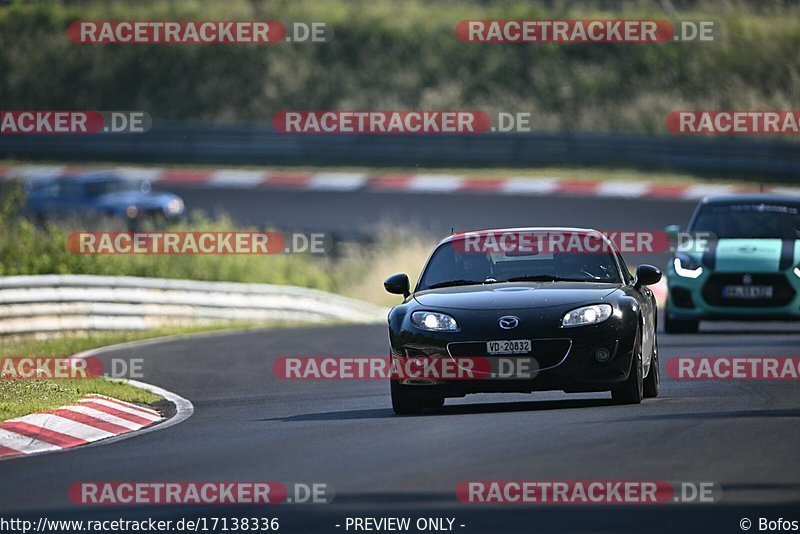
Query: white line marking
x=622 y=189
x=530 y=186
x=141 y=173
x=236 y=178
x=132 y=411
x=785 y=190
x=703 y=190
x=128 y=404
x=103 y=416
x=65 y=426
x=36 y=171
x=24 y=444
x=435 y=183
x=337 y=181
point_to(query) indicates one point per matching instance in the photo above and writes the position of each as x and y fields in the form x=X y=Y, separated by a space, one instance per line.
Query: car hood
x=757 y=255
x=514 y=295
x=136 y=198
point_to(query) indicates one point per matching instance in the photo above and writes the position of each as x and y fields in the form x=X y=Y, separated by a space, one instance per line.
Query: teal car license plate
x=747 y=292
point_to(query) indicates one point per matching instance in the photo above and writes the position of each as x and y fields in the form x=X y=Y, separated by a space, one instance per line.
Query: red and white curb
x=119 y=420
x=407 y=183
x=92 y=418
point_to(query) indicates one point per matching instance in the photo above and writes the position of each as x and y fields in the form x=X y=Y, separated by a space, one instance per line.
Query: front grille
x=782 y=291
x=547 y=352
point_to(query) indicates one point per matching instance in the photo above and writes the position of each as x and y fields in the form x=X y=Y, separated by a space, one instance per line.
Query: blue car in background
x=100 y=194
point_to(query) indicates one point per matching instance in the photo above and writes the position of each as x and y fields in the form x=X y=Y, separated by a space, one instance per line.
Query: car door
x=70 y=199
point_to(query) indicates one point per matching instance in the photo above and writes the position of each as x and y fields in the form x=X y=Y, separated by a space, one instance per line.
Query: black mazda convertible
x=522 y=310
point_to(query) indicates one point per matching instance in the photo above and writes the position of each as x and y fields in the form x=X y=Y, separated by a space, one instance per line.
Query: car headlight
x=596 y=313
x=174 y=206
x=686 y=266
x=797 y=271
x=440 y=322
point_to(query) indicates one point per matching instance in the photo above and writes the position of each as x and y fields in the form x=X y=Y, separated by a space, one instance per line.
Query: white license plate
x=509 y=346
x=747 y=292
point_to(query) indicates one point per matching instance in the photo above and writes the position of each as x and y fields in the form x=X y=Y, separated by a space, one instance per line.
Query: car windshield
x=749 y=221
x=450 y=265
x=111 y=185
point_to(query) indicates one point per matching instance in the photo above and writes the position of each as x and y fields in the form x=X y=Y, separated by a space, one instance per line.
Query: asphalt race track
x=359 y=212
x=248 y=425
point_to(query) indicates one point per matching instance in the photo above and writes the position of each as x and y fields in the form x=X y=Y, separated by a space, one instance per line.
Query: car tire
x=435 y=402
x=680 y=326
x=632 y=390
x=652 y=382
x=403 y=403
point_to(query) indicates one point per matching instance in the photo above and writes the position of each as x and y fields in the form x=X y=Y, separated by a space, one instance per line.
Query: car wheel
x=403 y=403
x=652 y=381
x=631 y=391
x=680 y=326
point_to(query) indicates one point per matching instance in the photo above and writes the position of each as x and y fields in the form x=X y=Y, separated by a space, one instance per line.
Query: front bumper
x=565 y=359
x=700 y=298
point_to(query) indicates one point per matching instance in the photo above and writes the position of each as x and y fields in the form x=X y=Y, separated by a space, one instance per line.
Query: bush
x=404 y=54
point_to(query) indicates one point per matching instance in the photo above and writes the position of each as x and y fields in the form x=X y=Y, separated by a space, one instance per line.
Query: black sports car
x=573 y=319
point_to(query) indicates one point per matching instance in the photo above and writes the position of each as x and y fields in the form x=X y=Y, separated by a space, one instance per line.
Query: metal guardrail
x=171 y=142
x=49 y=303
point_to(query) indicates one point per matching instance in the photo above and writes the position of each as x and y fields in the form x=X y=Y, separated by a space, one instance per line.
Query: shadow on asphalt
x=741 y=332
x=459 y=409
x=747 y=414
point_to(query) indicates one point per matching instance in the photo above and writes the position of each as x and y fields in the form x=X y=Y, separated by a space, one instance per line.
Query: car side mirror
x=673 y=230
x=397 y=284
x=647 y=275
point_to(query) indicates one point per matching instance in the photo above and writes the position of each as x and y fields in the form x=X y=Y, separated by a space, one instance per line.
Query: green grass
x=21 y=396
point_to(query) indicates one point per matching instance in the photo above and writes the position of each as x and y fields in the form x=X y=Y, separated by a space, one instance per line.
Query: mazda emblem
x=508 y=322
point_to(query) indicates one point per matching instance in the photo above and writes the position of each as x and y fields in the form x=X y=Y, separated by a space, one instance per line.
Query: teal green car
x=747 y=269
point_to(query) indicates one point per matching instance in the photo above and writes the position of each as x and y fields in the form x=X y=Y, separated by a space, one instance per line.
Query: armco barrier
x=239 y=144
x=50 y=303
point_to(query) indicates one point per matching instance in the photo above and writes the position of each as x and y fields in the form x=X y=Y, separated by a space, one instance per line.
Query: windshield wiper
x=451 y=283
x=545 y=278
